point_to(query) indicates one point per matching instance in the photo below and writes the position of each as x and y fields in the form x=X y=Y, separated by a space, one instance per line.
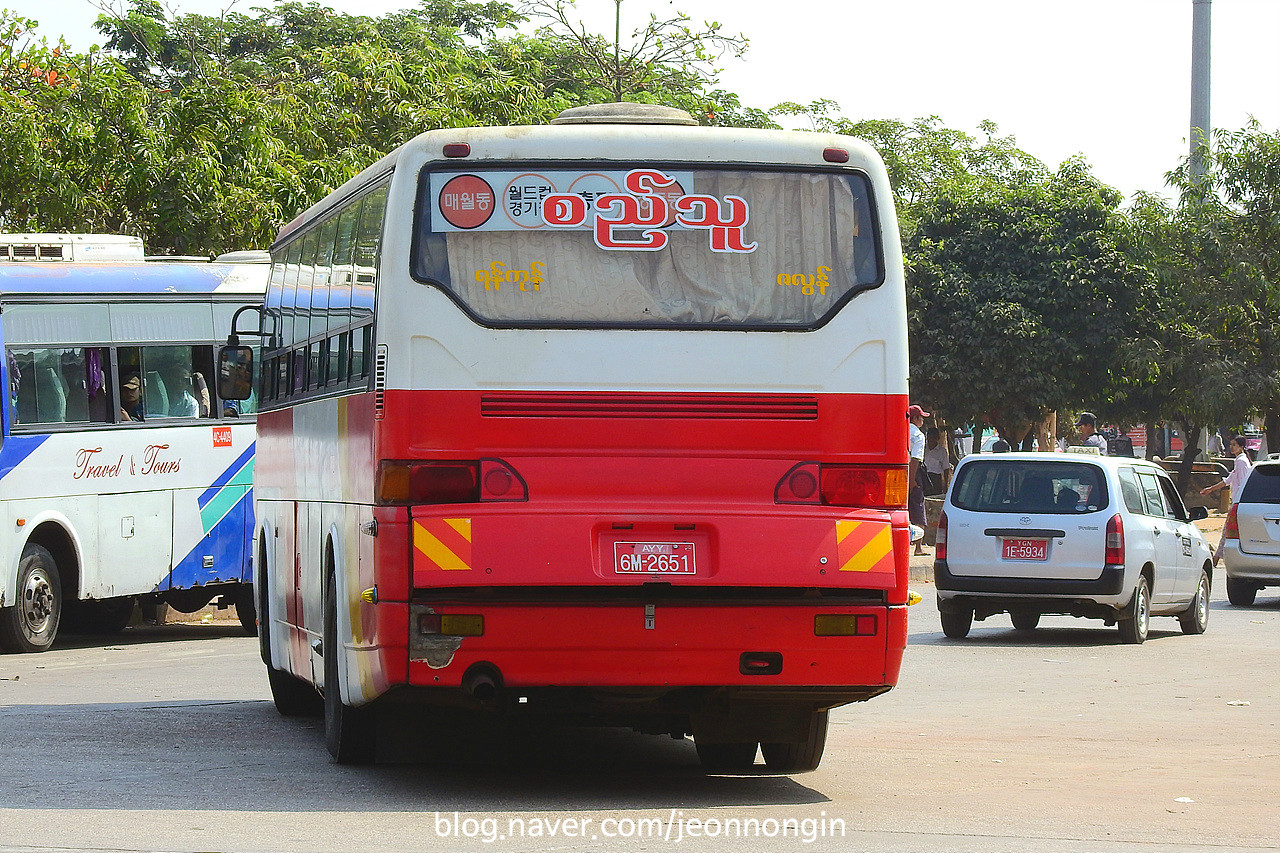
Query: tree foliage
x=670 y=60
x=202 y=134
x=1023 y=298
x=1226 y=254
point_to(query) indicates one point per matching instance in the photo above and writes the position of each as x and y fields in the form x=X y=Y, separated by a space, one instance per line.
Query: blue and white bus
x=123 y=477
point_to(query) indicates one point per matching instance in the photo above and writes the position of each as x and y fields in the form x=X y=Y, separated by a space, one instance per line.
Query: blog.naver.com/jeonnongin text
x=673 y=827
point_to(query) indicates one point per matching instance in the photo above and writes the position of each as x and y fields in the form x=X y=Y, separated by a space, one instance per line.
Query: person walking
x=1233 y=481
x=915 y=468
x=937 y=463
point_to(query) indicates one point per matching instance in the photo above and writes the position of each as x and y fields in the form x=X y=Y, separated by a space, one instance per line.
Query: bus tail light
x=844 y=625
x=940 y=538
x=1231 y=528
x=816 y=484
x=1114 y=555
x=415 y=482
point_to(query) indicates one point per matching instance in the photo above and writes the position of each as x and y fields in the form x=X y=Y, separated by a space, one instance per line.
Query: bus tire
x=726 y=757
x=31 y=623
x=348 y=731
x=246 y=611
x=293 y=696
x=798 y=757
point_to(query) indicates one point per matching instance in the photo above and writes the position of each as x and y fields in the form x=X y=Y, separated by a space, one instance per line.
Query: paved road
x=1062 y=740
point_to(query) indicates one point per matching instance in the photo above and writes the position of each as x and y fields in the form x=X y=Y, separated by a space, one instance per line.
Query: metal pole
x=1200 y=41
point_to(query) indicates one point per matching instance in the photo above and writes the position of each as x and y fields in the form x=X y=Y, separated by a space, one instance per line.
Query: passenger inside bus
x=131 y=404
x=187 y=391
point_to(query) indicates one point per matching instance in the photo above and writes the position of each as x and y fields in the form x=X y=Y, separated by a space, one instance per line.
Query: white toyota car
x=1251 y=553
x=1069 y=533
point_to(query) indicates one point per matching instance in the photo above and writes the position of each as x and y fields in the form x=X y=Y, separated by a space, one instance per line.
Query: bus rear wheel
x=798 y=757
x=348 y=731
x=31 y=623
x=726 y=757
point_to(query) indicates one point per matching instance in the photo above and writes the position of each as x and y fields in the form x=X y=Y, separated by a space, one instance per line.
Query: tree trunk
x=1152 y=448
x=1272 y=427
x=1190 y=450
x=1048 y=432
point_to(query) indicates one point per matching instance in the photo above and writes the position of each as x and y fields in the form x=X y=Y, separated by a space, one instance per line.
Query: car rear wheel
x=1024 y=620
x=1196 y=619
x=1137 y=621
x=1241 y=593
x=956 y=623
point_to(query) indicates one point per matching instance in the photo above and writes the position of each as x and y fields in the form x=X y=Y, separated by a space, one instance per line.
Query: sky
x=1108 y=79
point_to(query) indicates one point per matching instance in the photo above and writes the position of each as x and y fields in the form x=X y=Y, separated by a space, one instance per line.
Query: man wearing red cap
x=915 y=498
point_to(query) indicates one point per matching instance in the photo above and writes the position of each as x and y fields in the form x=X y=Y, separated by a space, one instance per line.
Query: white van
x=1092 y=536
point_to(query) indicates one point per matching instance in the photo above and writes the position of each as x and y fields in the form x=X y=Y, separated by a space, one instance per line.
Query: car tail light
x=1231 y=529
x=880 y=487
x=940 y=538
x=414 y=482
x=1114 y=555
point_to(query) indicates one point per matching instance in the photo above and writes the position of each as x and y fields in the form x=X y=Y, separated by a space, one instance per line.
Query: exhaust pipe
x=483 y=682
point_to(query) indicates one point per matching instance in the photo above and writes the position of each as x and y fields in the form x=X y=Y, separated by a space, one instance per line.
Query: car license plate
x=1025 y=549
x=654 y=558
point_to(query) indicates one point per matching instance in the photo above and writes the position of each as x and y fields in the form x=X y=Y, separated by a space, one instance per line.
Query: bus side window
x=57 y=385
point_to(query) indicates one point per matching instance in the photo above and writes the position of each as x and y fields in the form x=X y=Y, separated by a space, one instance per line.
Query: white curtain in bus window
x=814 y=242
x=57 y=385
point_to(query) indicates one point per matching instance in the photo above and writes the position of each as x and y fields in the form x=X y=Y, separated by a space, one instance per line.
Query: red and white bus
x=602 y=420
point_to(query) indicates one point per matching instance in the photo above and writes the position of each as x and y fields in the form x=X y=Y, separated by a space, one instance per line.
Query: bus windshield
x=671 y=247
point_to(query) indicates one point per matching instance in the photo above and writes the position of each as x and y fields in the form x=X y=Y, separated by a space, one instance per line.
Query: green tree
x=924 y=157
x=202 y=134
x=1229 y=256
x=1023 y=298
x=662 y=55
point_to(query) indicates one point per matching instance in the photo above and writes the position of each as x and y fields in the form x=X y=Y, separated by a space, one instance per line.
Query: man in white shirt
x=1087 y=423
x=915 y=467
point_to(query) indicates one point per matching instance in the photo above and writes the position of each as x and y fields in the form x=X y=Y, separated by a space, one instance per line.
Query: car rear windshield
x=1008 y=485
x=1263 y=485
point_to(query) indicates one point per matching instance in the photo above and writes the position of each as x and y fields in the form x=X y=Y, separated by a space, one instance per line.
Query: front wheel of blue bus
x=31 y=623
x=348 y=731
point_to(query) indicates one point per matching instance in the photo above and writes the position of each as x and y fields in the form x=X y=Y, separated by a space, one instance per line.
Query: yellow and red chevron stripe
x=442 y=543
x=864 y=546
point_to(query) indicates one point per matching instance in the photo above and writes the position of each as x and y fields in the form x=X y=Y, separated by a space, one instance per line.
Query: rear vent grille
x=747 y=407
x=30 y=252
x=379 y=382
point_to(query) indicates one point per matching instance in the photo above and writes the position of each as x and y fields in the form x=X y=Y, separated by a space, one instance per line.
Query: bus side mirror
x=235 y=373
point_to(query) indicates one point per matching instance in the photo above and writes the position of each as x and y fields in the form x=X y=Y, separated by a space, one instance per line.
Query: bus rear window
x=648 y=247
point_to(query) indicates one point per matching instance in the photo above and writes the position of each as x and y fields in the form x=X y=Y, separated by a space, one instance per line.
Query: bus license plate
x=1025 y=549
x=654 y=558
